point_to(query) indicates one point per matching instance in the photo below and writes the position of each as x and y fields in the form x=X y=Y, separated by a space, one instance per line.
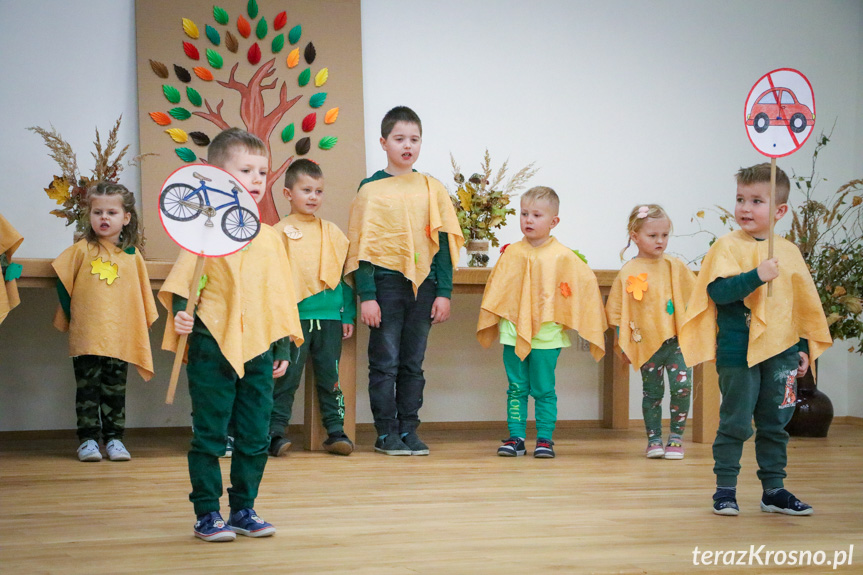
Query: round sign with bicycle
x=206 y=211
x=780 y=112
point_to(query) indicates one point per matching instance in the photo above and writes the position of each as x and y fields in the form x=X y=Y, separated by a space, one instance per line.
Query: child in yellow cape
x=10 y=239
x=107 y=306
x=538 y=290
x=760 y=344
x=646 y=303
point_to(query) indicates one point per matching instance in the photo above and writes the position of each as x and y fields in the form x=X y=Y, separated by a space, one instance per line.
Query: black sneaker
x=415 y=444
x=512 y=447
x=725 y=502
x=784 y=502
x=543 y=448
x=279 y=446
x=391 y=444
x=229 y=447
x=339 y=443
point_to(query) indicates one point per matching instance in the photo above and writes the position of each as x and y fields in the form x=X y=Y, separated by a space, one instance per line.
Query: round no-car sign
x=780 y=112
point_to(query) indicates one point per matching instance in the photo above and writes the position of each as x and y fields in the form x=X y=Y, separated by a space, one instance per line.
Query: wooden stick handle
x=772 y=218
x=181 y=344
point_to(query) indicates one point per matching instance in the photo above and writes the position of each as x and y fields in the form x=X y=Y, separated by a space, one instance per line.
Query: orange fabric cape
x=10 y=239
x=317 y=257
x=530 y=286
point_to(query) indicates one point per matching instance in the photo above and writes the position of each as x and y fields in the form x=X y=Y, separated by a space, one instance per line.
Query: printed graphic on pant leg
x=790 y=399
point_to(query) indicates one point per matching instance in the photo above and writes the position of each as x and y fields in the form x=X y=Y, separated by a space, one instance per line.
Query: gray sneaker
x=414 y=443
x=391 y=444
x=89 y=451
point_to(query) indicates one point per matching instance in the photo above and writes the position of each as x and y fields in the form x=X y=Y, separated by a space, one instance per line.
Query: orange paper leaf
x=161 y=118
x=565 y=291
x=331 y=116
x=243 y=27
x=637 y=285
x=294 y=58
x=203 y=73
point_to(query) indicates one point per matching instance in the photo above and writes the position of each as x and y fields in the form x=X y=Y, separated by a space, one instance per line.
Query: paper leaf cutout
x=177 y=135
x=278 y=43
x=254 y=54
x=58 y=190
x=180 y=113
x=220 y=15
x=105 y=270
x=321 y=77
x=636 y=332
x=261 y=29
x=171 y=94
x=293 y=58
x=303 y=146
x=190 y=29
x=310 y=53
x=304 y=77
x=182 y=74
x=294 y=34
x=200 y=138
x=191 y=51
x=161 y=118
x=288 y=133
x=280 y=20
x=231 y=42
x=637 y=285
x=293 y=232
x=328 y=142
x=252 y=9
x=565 y=290
x=581 y=256
x=203 y=74
x=309 y=122
x=214 y=58
x=193 y=96
x=243 y=27
x=669 y=307
x=160 y=69
x=202 y=283
x=186 y=154
x=331 y=116
x=318 y=100
x=213 y=35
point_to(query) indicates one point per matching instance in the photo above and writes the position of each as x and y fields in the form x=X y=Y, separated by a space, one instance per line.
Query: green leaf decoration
x=186 y=154
x=194 y=96
x=288 y=133
x=669 y=307
x=202 y=283
x=252 y=9
x=580 y=255
x=220 y=15
x=171 y=93
x=278 y=43
x=318 y=100
x=295 y=33
x=304 y=77
x=214 y=59
x=261 y=29
x=180 y=113
x=213 y=35
x=328 y=142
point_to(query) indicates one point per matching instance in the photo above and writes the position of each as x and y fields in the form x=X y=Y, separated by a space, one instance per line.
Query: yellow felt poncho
x=10 y=239
x=793 y=312
x=317 y=254
x=112 y=303
x=248 y=301
x=395 y=222
x=647 y=301
x=530 y=286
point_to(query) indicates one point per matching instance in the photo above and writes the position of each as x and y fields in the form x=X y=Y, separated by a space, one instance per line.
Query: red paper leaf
x=254 y=54
x=203 y=73
x=191 y=51
x=309 y=122
x=243 y=27
x=280 y=21
x=161 y=118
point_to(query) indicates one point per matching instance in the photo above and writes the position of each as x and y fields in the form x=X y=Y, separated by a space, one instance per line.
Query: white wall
x=618 y=103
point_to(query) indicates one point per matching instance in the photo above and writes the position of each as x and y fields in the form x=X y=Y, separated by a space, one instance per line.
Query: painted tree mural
x=206 y=52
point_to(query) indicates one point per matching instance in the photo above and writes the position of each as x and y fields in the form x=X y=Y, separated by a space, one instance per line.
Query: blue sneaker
x=246 y=522
x=725 y=502
x=784 y=502
x=211 y=527
x=544 y=449
x=512 y=447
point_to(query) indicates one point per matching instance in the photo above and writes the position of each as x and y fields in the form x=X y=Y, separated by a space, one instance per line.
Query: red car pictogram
x=779 y=107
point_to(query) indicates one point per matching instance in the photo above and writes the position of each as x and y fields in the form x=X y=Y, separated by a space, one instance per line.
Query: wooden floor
x=600 y=507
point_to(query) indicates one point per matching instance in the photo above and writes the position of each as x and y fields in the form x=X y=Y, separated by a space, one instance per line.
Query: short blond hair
x=759 y=174
x=640 y=214
x=542 y=193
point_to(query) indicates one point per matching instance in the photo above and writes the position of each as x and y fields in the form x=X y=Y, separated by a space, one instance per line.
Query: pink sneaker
x=654 y=451
x=674 y=450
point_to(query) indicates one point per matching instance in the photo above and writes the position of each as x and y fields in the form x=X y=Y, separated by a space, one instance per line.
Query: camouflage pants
x=668 y=359
x=100 y=401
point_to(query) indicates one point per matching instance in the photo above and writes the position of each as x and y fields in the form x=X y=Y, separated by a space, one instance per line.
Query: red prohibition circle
x=779 y=112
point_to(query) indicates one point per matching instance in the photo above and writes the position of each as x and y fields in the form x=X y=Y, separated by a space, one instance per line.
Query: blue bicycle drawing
x=183 y=203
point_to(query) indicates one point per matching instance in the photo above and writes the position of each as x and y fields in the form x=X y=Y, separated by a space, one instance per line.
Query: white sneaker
x=89 y=451
x=117 y=451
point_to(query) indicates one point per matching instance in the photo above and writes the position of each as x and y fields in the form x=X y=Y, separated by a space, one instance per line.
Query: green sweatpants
x=323 y=341
x=766 y=392
x=534 y=377
x=217 y=393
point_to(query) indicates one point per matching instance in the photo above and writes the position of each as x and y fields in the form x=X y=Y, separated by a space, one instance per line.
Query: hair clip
x=642 y=212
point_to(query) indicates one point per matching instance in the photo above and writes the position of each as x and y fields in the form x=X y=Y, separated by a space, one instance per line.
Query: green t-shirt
x=550 y=336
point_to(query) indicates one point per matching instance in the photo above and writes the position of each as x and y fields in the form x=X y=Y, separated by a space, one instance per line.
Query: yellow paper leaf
x=331 y=116
x=294 y=58
x=178 y=135
x=321 y=77
x=190 y=29
x=58 y=190
x=105 y=270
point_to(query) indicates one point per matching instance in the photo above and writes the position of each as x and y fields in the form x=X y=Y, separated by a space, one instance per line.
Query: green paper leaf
x=261 y=29
x=180 y=113
x=278 y=43
x=318 y=100
x=186 y=154
x=252 y=9
x=193 y=96
x=220 y=15
x=288 y=133
x=294 y=34
x=214 y=59
x=171 y=93
x=213 y=35
x=581 y=255
x=669 y=307
x=304 y=77
x=328 y=142
x=202 y=283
